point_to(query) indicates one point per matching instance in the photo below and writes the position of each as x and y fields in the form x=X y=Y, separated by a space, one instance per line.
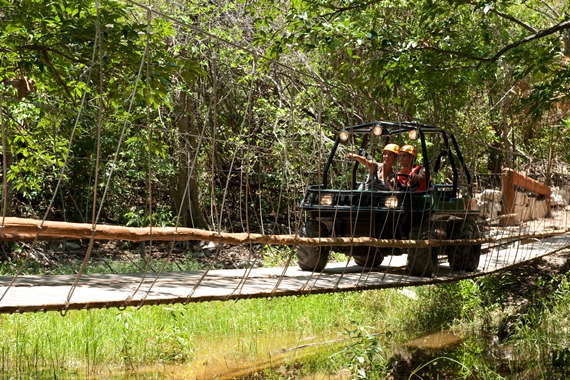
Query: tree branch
x=47 y=48
x=546 y=32
x=334 y=11
x=58 y=78
x=451 y=52
x=556 y=14
x=514 y=19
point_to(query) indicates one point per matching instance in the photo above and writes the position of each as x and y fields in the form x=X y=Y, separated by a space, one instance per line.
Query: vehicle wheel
x=370 y=257
x=464 y=257
x=421 y=261
x=313 y=258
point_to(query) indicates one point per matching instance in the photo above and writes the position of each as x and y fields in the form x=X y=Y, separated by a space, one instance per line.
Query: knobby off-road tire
x=464 y=257
x=370 y=257
x=421 y=262
x=313 y=258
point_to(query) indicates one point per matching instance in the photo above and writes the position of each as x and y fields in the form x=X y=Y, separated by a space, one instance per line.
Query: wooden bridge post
x=508 y=198
x=509 y=179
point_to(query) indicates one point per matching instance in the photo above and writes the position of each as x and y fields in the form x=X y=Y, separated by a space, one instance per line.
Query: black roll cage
x=395 y=128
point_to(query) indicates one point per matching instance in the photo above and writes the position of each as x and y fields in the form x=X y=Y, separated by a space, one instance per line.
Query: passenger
x=379 y=173
x=410 y=176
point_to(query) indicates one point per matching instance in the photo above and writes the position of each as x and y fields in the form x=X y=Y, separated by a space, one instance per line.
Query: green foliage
x=366 y=357
x=59 y=49
x=37 y=159
x=542 y=334
x=277 y=256
x=442 y=304
x=437 y=62
x=96 y=342
x=429 y=61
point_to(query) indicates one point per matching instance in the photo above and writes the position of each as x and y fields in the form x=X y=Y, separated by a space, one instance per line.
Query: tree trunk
x=7 y=206
x=549 y=163
x=187 y=187
x=506 y=128
x=7 y=193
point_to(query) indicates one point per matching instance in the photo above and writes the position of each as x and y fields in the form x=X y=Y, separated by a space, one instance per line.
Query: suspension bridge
x=252 y=179
x=504 y=247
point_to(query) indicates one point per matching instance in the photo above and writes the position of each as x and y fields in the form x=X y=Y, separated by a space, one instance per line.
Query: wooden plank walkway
x=49 y=293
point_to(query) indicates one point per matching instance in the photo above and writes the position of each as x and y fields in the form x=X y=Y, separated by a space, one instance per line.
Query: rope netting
x=264 y=205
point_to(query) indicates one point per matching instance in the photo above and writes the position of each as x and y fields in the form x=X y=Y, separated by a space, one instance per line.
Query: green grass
x=360 y=334
x=94 y=341
x=541 y=337
x=99 y=342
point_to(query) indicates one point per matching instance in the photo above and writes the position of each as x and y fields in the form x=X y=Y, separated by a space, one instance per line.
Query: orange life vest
x=416 y=186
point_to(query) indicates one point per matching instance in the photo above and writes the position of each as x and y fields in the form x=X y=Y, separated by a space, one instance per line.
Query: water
x=236 y=358
x=428 y=357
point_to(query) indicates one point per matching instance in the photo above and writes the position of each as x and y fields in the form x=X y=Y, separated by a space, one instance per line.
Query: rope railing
x=21 y=229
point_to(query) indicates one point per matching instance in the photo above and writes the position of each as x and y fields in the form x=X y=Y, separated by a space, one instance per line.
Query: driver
x=379 y=173
x=410 y=176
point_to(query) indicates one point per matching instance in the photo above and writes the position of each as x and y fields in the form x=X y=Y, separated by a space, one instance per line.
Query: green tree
x=465 y=65
x=61 y=59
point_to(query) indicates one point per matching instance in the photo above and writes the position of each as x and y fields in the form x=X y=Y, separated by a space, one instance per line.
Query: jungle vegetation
x=183 y=88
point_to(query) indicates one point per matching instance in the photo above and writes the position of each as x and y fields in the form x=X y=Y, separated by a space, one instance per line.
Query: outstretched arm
x=370 y=164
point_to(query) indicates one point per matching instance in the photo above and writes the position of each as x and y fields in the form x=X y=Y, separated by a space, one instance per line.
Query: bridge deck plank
x=44 y=293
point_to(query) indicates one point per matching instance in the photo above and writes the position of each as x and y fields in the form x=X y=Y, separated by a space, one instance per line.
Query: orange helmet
x=391 y=148
x=409 y=149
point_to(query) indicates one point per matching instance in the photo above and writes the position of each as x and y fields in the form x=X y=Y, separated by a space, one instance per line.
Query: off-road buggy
x=341 y=206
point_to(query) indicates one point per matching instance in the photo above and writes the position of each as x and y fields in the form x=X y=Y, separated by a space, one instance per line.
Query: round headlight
x=377 y=130
x=413 y=134
x=326 y=200
x=343 y=136
x=391 y=202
